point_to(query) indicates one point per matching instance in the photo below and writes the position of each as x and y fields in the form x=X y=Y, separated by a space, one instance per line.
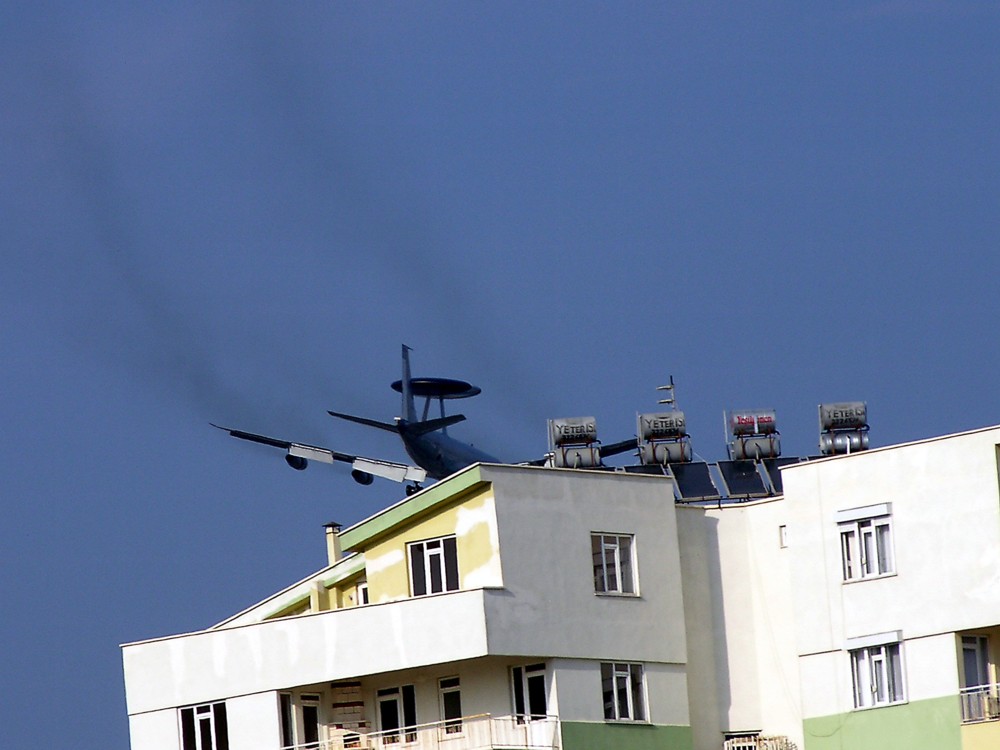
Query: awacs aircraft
x=426 y=440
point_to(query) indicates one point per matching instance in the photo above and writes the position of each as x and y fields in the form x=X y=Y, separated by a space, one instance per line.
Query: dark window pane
x=608 y=688
x=221 y=727
x=310 y=725
x=536 y=696
x=516 y=676
x=205 y=732
x=409 y=706
x=409 y=712
x=451 y=564
x=388 y=714
x=437 y=580
x=187 y=729
x=638 y=709
x=417 y=569
x=286 y=720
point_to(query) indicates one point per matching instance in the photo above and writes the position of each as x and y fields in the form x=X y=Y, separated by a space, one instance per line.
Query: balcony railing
x=980 y=703
x=480 y=732
x=756 y=742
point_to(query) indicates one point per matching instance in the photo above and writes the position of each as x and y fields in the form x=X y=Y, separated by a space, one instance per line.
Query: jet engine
x=362 y=477
x=296 y=462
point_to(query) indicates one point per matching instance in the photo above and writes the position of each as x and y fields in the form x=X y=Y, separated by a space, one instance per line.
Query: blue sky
x=237 y=213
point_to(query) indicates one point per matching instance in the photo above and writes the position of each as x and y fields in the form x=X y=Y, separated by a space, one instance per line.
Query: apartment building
x=529 y=607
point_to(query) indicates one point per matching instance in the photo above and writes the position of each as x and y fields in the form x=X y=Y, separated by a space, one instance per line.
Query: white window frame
x=405 y=731
x=437 y=557
x=627 y=691
x=205 y=715
x=878 y=676
x=521 y=680
x=451 y=726
x=361 y=593
x=294 y=708
x=866 y=544
x=614 y=564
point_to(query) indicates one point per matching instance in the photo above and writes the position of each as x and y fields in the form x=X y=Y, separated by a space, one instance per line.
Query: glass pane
x=638 y=711
x=895 y=673
x=596 y=547
x=310 y=725
x=450 y=564
x=417 y=576
x=187 y=729
x=868 y=555
x=610 y=567
x=625 y=558
x=536 y=696
x=451 y=703
x=621 y=688
x=437 y=579
x=286 y=720
x=847 y=552
x=516 y=678
x=221 y=726
x=884 y=540
x=409 y=713
x=205 y=733
x=608 y=689
x=878 y=677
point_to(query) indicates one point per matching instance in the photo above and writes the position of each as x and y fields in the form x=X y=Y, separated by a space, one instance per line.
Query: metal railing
x=756 y=742
x=980 y=703
x=479 y=732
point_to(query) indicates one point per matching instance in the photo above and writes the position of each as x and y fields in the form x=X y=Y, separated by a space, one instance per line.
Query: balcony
x=980 y=703
x=756 y=742
x=480 y=732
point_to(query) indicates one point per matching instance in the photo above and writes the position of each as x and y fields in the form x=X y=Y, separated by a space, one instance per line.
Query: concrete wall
x=545 y=518
x=742 y=664
x=946 y=538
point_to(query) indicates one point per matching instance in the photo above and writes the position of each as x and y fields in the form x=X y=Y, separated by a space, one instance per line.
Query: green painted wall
x=920 y=725
x=587 y=735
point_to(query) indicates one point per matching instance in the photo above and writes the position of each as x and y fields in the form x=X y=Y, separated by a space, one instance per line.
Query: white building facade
x=526 y=607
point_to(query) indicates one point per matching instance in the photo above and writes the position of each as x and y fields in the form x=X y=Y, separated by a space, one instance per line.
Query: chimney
x=333 y=551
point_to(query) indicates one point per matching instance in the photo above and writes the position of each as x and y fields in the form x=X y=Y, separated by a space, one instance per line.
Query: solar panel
x=694 y=481
x=772 y=465
x=742 y=479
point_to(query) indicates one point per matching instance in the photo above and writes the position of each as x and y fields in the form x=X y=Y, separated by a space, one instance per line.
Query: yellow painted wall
x=472 y=519
x=982 y=736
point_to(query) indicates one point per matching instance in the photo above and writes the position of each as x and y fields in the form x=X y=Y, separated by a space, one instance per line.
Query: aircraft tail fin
x=409 y=410
x=430 y=425
x=365 y=421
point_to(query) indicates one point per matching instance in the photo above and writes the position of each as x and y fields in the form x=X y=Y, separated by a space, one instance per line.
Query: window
x=451 y=704
x=204 y=727
x=299 y=720
x=361 y=594
x=528 y=687
x=866 y=542
x=397 y=709
x=877 y=673
x=613 y=566
x=623 y=694
x=434 y=566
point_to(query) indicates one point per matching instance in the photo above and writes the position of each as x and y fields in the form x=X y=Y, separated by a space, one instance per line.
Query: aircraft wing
x=374 y=466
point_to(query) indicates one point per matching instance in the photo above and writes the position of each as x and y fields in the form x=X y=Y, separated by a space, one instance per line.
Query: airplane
x=426 y=440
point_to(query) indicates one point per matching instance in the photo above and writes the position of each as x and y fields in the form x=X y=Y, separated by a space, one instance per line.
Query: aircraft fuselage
x=439 y=454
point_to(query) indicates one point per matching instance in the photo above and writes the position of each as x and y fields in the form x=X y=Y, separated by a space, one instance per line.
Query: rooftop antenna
x=672 y=401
